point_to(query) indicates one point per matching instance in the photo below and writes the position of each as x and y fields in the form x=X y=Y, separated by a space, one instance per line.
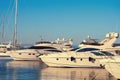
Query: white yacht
x=86 y=57
x=31 y=53
x=23 y=54
x=60 y=44
x=43 y=47
x=4 y=47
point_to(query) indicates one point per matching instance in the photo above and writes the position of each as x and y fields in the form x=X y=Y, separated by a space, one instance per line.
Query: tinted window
x=43 y=42
x=107 y=53
x=74 y=49
x=2 y=46
x=97 y=53
x=102 y=53
x=41 y=47
x=87 y=49
x=54 y=50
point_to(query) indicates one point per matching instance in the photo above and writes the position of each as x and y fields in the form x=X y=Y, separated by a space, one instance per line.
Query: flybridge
x=108 y=42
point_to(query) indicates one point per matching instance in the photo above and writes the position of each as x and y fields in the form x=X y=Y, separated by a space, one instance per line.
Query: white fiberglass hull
x=112 y=65
x=23 y=55
x=4 y=54
x=70 y=60
x=115 y=59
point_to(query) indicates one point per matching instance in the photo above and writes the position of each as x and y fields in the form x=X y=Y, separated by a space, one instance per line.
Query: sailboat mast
x=3 y=36
x=15 y=28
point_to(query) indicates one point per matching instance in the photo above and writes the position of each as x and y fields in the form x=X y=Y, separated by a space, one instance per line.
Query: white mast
x=15 y=28
x=3 y=36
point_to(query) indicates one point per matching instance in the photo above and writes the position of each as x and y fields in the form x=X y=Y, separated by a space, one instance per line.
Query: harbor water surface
x=36 y=70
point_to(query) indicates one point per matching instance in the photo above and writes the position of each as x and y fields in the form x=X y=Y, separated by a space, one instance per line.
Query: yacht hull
x=70 y=60
x=4 y=54
x=23 y=56
x=64 y=63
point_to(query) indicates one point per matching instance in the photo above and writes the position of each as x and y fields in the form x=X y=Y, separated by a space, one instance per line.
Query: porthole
x=20 y=53
x=29 y=54
x=33 y=53
x=81 y=59
x=67 y=58
x=57 y=59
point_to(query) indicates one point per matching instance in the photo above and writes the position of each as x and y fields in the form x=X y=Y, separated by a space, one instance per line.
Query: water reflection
x=35 y=70
x=23 y=70
x=75 y=74
x=24 y=64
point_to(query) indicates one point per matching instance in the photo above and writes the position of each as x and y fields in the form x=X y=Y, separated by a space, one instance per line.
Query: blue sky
x=61 y=18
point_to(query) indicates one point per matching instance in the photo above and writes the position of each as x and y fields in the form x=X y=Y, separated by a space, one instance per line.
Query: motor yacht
x=4 y=47
x=43 y=47
x=60 y=44
x=85 y=57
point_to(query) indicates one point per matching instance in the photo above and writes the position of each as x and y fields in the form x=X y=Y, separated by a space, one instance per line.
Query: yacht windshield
x=54 y=50
x=74 y=49
x=102 y=53
x=107 y=53
x=41 y=47
x=86 y=49
x=98 y=54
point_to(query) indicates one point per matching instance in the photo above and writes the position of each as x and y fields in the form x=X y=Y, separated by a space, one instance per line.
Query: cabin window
x=107 y=53
x=54 y=50
x=87 y=49
x=57 y=59
x=102 y=53
x=117 y=52
x=81 y=59
x=29 y=54
x=67 y=58
x=91 y=59
x=73 y=59
x=33 y=53
x=41 y=47
x=97 y=53
x=20 y=53
x=2 y=46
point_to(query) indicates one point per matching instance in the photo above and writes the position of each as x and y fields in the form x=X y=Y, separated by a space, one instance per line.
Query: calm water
x=35 y=70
